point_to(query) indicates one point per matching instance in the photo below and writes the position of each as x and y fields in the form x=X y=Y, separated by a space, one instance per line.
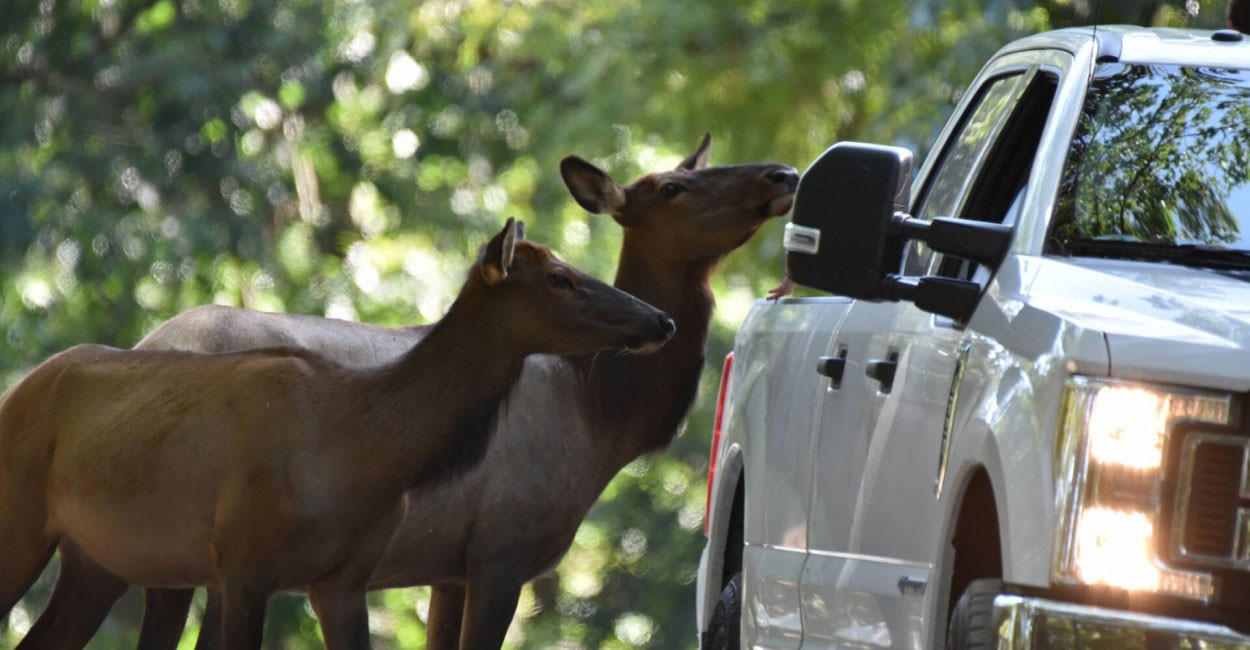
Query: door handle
x=832 y=367
x=912 y=585
x=883 y=370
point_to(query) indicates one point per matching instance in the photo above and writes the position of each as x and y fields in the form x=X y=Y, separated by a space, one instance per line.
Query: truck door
x=777 y=456
x=874 y=515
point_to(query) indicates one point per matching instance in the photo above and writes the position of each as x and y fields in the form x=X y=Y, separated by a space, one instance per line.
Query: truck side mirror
x=849 y=227
x=839 y=238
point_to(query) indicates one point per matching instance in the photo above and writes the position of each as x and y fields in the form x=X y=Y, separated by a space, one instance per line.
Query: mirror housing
x=849 y=228
x=838 y=239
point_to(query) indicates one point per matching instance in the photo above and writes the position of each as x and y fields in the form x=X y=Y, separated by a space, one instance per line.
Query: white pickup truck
x=1021 y=420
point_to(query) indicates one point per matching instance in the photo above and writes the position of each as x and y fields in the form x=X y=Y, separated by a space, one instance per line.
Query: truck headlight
x=1109 y=470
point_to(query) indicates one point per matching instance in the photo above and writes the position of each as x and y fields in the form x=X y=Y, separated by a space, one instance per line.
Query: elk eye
x=559 y=281
x=671 y=190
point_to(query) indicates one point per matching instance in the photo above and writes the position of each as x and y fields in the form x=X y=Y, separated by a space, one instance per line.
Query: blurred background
x=347 y=158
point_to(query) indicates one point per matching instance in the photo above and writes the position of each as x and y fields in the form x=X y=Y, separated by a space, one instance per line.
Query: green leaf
x=214 y=131
x=156 y=18
x=292 y=94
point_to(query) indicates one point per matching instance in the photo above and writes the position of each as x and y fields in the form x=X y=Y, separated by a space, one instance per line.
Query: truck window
x=994 y=190
x=965 y=150
x=1159 y=168
x=985 y=167
x=999 y=190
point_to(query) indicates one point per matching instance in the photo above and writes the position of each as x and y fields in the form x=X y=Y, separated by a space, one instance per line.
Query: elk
x=578 y=420
x=275 y=468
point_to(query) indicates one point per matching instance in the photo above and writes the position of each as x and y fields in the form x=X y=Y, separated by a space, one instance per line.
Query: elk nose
x=789 y=177
x=667 y=326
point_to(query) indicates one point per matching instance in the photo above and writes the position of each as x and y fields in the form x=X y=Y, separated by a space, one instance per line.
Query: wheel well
x=978 y=550
x=734 y=537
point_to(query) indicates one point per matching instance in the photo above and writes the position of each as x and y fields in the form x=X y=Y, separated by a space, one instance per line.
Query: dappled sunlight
x=369 y=212
x=403 y=74
x=404 y=143
x=735 y=300
x=651 y=158
x=35 y=291
x=634 y=629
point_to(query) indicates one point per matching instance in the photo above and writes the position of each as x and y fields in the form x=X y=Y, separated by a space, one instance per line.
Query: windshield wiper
x=1201 y=255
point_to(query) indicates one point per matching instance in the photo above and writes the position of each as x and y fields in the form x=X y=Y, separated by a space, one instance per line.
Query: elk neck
x=441 y=399
x=650 y=395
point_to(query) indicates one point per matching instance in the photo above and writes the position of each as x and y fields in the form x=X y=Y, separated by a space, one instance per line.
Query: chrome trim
x=1027 y=623
x=948 y=423
x=874 y=559
x=776 y=547
x=1240 y=559
x=1243 y=535
x=1245 y=479
x=801 y=239
x=1070 y=469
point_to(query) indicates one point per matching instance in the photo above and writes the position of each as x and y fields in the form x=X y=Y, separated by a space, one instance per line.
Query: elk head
x=558 y=309
x=692 y=213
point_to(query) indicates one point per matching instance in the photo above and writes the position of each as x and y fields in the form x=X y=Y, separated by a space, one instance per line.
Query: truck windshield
x=1159 y=168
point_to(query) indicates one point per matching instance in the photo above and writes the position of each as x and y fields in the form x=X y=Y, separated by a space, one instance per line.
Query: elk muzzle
x=787 y=181
x=647 y=343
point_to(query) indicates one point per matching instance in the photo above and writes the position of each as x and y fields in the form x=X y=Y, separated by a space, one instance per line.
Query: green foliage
x=347 y=157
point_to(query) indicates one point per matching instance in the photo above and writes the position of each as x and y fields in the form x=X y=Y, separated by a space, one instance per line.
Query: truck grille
x=1212 y=516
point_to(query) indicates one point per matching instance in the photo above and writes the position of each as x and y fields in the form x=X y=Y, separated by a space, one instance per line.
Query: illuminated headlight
x=1109 y=465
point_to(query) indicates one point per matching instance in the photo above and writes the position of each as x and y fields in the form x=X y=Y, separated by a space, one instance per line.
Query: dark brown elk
x=275 y=468
x=477 y=539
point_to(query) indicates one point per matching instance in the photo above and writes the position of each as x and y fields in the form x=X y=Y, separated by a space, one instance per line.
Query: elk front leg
x=164 y=616
x=83 y=596
x=339 y=599
x=243 y=614
x=24 y=549
x=446 y=614
x=210 y=623
x=489 y=607
x=342 y=613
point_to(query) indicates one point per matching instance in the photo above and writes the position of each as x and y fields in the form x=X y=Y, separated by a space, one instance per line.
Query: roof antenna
x=1096 y=3
x=1097 y=47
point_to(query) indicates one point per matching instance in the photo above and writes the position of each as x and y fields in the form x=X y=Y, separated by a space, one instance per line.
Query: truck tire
x=972 y=621
x=725 y=630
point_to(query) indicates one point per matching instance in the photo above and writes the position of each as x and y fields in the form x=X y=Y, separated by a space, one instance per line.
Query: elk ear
x=498 y=256
x=698 y=159
x=591 y=187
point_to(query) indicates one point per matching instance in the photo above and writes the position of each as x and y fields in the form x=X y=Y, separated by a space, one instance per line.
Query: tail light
x=716 y=429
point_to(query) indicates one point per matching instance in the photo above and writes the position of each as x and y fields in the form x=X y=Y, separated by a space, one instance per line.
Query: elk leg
x=243 y=614
x=342 y=613
x=210 y=623
x=164 y=616
x=339 y=600
x=490 y=605
x=83 y=596
x=446 y=613
x=24 y=550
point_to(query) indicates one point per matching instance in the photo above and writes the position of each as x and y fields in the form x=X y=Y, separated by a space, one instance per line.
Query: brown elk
x=477 y=539
x=275 y=468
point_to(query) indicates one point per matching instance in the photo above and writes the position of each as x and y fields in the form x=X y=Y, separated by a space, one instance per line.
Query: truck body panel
x=951 y=450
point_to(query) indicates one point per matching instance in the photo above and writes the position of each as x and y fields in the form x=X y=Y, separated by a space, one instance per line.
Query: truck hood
x=1163 y=322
